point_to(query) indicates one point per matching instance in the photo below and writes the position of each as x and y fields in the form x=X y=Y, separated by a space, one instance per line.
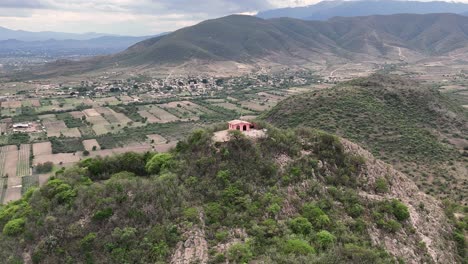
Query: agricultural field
x=90 y=144
x=23 y=165
x=3 y=154
x=150 y=118
x=28 y=182
x=44 y=148
x=54 y=128
x=156 y=139
x=185 y=110
x=163 y=115
x=62 y=159
x=75 y=116
x=256 y=106
x=3 y=187
x=233 y=107
x=106 y=101
x=11 y=161
x=13 y=193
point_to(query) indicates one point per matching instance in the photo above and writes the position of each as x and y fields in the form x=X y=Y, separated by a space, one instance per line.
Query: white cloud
x=129 y=17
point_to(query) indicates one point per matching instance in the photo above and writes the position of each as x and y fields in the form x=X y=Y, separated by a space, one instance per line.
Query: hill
x=286 y=41
x=293 y=197
x=401 y=121
x=245 y=38
x=329 y=9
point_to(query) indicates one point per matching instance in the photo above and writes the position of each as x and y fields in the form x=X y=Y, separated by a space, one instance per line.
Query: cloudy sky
x=126 y=17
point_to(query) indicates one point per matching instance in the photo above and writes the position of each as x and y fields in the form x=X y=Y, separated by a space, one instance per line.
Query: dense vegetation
x=400 y=121
x=135 y=208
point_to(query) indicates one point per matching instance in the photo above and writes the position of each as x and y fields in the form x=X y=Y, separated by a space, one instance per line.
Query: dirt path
x=400 y=54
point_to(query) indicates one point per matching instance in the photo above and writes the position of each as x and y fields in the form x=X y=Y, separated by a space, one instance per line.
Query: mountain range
x=70 y=47
x=289 y=41
x=328 y=9
x=22 y=35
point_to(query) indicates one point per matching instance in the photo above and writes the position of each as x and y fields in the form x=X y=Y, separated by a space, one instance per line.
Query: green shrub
x=56 y=188
x=44 y=167
x=214 y=212
x=239 y=253
x=158 y=162
x=400 y=210
x=221 y=236
x=298 y=247
x=381 y=185
x=191 y=214
x=87 y=242
x=325 y=239
x=355 y=210
x=389 y=225
x=14 y=227
x=311 y=211
x=103 y=214
x=300 y=225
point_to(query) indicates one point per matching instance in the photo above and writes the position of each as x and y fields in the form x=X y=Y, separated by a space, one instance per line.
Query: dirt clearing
x=90 y=144
x=44 y=148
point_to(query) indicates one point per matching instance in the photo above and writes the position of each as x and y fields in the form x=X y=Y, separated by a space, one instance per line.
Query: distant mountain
x=328 y=9
x=246 y=38
x=6 y=34
x=288 y=41
x=62 y=48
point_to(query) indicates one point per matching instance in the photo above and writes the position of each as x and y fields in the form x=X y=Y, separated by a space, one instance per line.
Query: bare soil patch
x=35 y=103
x=58 y=159
x=91 y=112
x=151 y=118
x=77 y=114
x=12 y=104
x=44 y=148
x=11 y=161
x=12 y=194
x=90 y=143
x=165 y=147
x=158 y=139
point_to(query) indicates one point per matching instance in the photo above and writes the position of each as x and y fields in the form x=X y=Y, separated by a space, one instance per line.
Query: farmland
x=23 y=165
x=64 y=123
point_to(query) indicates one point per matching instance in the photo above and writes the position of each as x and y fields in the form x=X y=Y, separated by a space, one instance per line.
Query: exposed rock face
x=428 y=240
x=193 y=250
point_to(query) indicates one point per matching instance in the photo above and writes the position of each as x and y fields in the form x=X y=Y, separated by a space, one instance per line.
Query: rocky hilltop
x=299 y=196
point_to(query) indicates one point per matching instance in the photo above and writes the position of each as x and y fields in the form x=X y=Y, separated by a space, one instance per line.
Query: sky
x=125 y=17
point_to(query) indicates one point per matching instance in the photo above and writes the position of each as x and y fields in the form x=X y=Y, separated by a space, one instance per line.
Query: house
x=240 y=125
x=21 y=125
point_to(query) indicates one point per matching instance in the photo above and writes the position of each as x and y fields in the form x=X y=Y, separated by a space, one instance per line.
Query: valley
x=303 y=138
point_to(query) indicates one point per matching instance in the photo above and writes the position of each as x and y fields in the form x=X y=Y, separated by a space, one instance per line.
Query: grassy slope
x=398 y=120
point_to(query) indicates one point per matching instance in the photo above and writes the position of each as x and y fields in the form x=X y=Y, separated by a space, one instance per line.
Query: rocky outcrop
x=428 y=238
x=193 y=250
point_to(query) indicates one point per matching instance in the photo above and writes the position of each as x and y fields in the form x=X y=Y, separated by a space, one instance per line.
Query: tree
x=300 y=225
x=325 y=239
x=298 y=247
x=14 y=227
x=158 y=162
x=240 y=253
x=44 y=167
